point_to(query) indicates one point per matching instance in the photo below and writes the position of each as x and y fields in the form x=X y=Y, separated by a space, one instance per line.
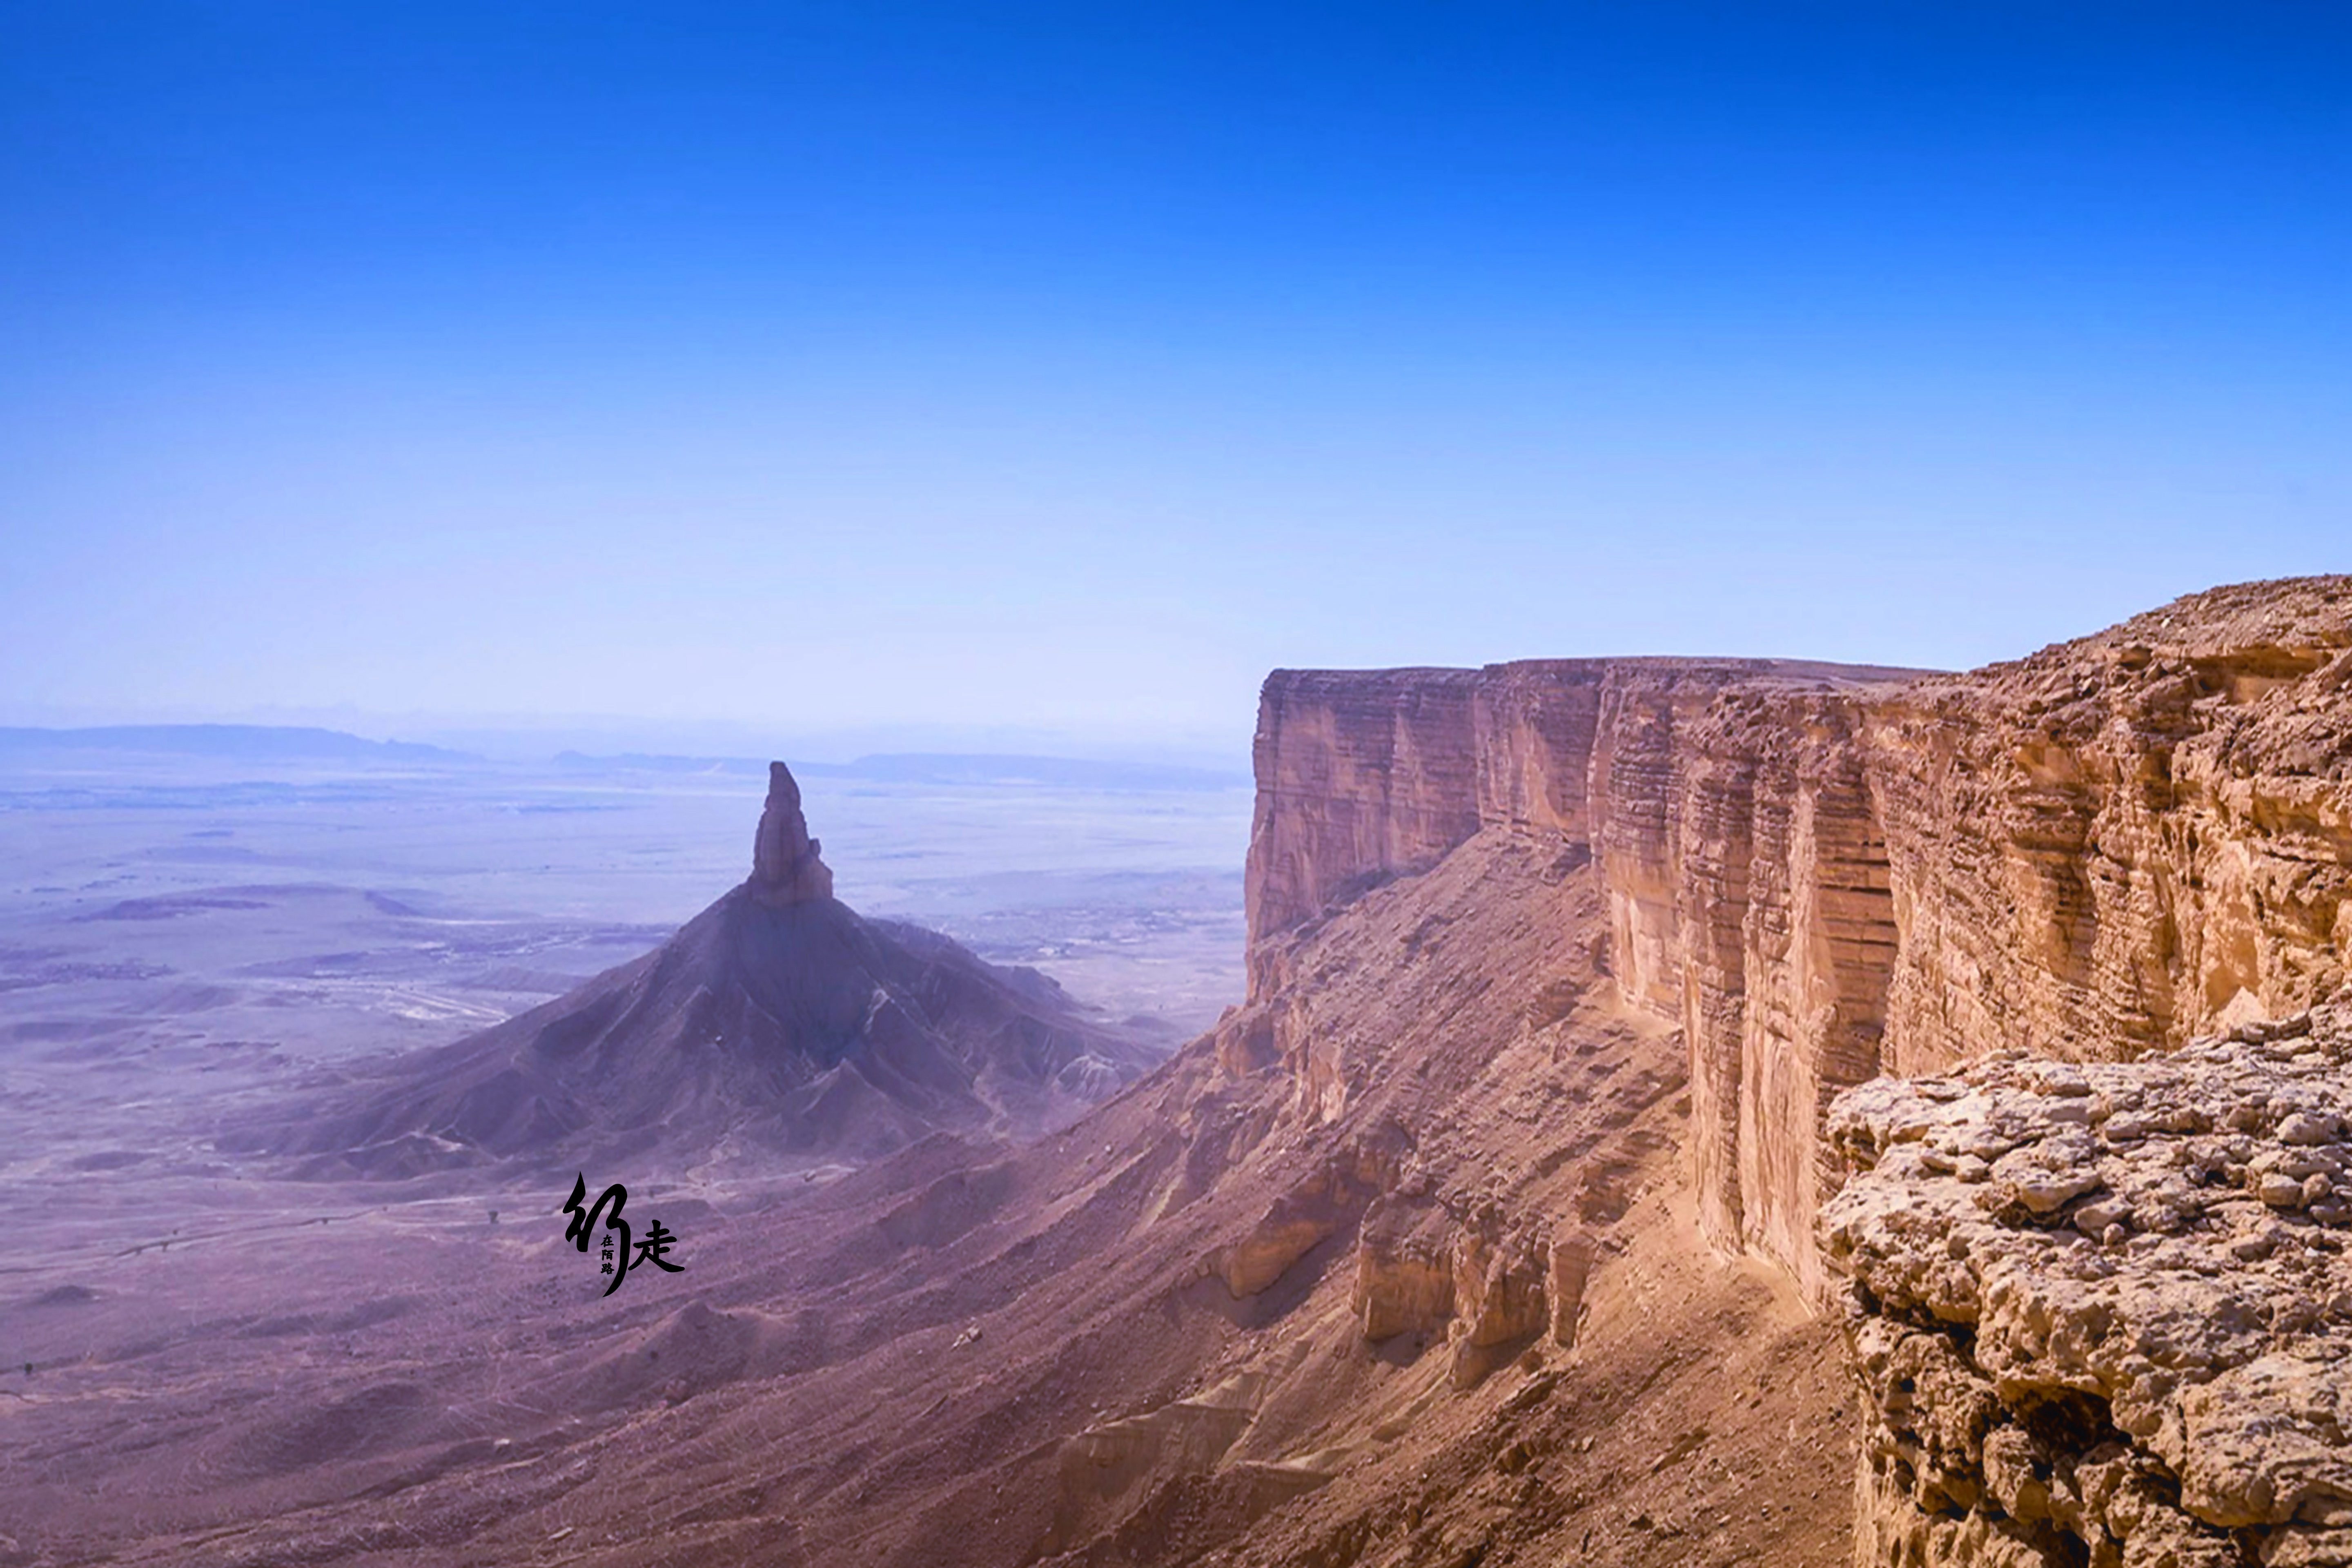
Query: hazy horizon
x=527 y=737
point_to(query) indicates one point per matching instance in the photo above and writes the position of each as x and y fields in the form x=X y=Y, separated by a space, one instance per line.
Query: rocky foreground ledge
x=2103 y=1313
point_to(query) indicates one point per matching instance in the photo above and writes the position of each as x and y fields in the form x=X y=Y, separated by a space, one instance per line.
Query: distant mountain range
x=253 y=742
x=278 y=743
x=937 y=768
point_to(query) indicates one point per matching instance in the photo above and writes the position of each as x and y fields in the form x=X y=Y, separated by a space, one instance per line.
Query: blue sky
x=1068 y=367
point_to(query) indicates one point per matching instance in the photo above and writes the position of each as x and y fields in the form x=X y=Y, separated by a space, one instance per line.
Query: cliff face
x=1364 y=774
x=1746 y=879
x=1823 y=872
x=2126 y=841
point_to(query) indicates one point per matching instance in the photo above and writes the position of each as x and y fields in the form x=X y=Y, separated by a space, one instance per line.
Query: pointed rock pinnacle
x=785 y=869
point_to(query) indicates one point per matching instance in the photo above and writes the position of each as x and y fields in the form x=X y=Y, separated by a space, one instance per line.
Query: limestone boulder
x=2080 y=1320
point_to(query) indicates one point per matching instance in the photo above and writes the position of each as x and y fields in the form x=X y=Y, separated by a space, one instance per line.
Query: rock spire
x=785 y=866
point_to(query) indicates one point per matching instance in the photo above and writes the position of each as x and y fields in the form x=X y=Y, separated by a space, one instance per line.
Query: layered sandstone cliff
x=1822 y=872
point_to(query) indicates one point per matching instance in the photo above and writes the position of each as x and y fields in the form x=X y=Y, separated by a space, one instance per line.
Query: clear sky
x=1071 y=366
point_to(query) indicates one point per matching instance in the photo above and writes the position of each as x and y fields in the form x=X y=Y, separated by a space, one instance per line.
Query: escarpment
x=1822 y=873
x=2125 y=842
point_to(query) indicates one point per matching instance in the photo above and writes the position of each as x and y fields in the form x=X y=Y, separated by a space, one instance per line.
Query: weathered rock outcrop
x=1822 y=873
x=1404 y=1283
x=2103 y=1313
x=1484 y=1280
x=785 y=865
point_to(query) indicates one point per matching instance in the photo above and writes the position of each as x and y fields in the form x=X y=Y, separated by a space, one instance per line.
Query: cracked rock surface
x=2102 y=1313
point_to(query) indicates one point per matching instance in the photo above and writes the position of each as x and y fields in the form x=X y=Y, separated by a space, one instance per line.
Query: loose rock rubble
x=2102 y=1313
